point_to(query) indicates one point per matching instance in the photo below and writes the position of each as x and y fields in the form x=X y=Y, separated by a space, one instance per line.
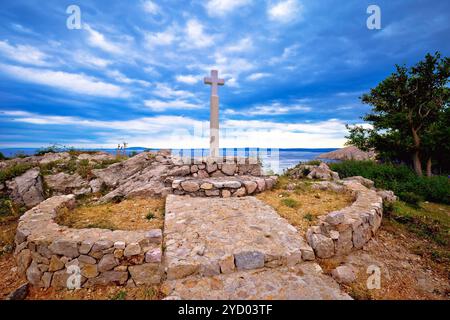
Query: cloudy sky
x=294 y=69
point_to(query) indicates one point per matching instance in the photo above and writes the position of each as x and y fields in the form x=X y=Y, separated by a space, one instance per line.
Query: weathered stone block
x=249 y=260
x=107 y=263
x=145 y=274
x=66 y=248
x=323 y=246
x=132 y=249
x=190 y=186
x=227 y=264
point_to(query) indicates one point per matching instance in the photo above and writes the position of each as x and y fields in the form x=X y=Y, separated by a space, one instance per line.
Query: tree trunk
x=417 y=163
x=429 y=164
x=416 y=157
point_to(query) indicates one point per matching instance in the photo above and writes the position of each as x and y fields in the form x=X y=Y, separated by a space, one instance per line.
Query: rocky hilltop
x=30 y=180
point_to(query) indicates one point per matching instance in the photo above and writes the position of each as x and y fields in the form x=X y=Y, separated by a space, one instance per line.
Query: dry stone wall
x=225 y=187
x=49 y=254
x=341 y=231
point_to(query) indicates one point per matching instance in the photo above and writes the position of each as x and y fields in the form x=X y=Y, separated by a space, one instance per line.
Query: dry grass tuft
x=298 y=203
x=130 y=214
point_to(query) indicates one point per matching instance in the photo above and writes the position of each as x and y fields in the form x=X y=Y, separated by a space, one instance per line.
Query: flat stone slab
x=209 y=236
x=303 y=282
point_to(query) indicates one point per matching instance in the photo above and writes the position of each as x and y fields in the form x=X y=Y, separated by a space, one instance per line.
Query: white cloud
x=159 y=105
x=288 y=53
x=223 y=7
x=150 y=7
x=188 y=79
x=165 y=91
x=243 y=45
x=120 y=77
x=24 y=54
x=163 y=38
x=177 y=131
x=98 y=40
x=21 y=28
x=258 y=76
x=87 y=59
x=275 y=108
x=285 y=11
x=196 y=36
x=77 y=83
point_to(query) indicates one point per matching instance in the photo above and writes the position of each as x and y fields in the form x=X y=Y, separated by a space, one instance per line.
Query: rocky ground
x=413 y=266
x=405 y=274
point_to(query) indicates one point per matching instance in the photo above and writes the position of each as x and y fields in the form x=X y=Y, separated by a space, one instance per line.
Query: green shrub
x=84 y=168
x=2 y=156
x=50 y=149
x=398 y=178
x=410 y=198
x=312 y=162
x=13 y=171
x=6 y=206
x=150 y=216
x=289 y=202
x=121 y=295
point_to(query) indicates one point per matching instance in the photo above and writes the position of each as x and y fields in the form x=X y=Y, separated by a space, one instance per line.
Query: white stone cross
x=214 y=81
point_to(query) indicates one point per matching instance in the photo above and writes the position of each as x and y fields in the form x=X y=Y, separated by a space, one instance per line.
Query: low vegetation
x=398 y=178
x=133 y=214
x=13 y=171
x=298 y=203
x=427 y=220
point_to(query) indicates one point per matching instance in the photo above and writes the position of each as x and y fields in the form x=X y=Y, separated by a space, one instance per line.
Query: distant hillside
x=348 y=153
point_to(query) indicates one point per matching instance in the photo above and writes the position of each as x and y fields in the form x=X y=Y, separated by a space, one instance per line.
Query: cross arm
x=208 y=80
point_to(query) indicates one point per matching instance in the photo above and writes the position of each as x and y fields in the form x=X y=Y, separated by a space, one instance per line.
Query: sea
x=273 y=160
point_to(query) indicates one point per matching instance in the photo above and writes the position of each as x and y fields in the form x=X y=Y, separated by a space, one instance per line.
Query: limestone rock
x=387 y=196
x=89 y=271
x=227 y=264
x=250 y=186
x=190 y=186
x=63 y=183
x=23 y=260
x=47 y=279
x=64 y=248
x=226 y=193
x=55 y=264
x=249 y=260
x=108 y=278
x=153 y=256
x=211 y=167
x=20 y=293
x=107 y=262
x=101 y=245
x=343 y=274
x=365 y=182
x=132 y=249
x=323 y=246
x=229 y=168
x=34 y=274
x=145 y=274
x=26 y=189
x=239 y=192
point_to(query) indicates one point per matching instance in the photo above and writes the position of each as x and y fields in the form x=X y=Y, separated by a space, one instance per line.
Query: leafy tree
x=409 y=114
x=2 y=156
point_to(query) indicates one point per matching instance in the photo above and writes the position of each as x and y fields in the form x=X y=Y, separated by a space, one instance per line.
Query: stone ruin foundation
x=202 y=236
